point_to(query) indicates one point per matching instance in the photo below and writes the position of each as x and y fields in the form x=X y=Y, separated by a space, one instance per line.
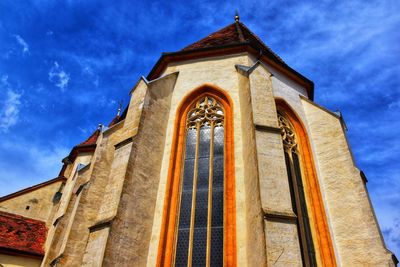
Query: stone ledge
x=280 y=216
x=101 y=225
x=265 y=128
x=123 y=143
x=56 y=221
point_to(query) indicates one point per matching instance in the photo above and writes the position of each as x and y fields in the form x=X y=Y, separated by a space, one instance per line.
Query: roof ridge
x=91 y=139
x=261 y=42
x=212 y=36
x=239 y=30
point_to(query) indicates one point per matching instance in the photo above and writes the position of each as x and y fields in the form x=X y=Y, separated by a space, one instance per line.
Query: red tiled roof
x=224 y=36
x=21 y=235
x=91 y=139
x=114 y=121
x=235 y=33
x=89 y=145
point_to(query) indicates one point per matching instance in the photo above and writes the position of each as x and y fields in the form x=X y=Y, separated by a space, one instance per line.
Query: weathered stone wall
x=129 y=239
x=85 y=191
x=356 y=235
x=39 y=201
x=282 y=249
x=254 y=220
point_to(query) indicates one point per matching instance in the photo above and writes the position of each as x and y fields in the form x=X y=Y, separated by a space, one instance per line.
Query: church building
x=221 y=158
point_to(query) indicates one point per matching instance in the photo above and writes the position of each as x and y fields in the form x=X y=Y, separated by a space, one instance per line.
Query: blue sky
x=65 y=65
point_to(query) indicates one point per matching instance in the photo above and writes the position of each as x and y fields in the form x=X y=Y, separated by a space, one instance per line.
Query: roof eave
x=33 y=188
x=247 y=46
x=23 y=253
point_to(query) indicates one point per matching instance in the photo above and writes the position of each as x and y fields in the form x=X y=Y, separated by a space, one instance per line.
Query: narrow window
x=199 y=240
x=293 y=167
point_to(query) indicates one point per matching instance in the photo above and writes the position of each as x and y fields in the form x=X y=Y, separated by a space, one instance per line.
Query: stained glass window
x=199 y=239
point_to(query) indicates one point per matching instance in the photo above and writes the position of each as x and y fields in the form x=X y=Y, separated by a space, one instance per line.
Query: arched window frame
x=171 y=202
x=316 y=211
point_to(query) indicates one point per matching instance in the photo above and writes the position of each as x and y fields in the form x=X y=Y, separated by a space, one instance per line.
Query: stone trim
x=280 y=216
x=100 y=225
x=363 y=177
x=56 y=260
x=246 y=71
x=113 y=128
x=80 y=188
x=123 y=143
x=320 y=107
x=82 y=167
x=57 y=220
x=265 y=128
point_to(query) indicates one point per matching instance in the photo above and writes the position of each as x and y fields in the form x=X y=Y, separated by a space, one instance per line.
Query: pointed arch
x=169 y=225
x=315 y=204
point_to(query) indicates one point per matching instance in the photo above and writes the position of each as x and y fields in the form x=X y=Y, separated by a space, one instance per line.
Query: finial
x=237 y=18
x=119 y=107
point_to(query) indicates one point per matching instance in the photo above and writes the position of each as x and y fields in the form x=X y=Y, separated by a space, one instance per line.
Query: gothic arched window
x=199 y=227
x=299 y=205
x=200 y=224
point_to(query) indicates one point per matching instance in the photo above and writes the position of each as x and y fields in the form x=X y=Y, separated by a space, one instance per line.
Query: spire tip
x=237 y=18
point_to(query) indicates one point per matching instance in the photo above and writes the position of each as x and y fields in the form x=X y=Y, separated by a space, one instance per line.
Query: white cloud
x=10 y=107
x=25 y=46
x=59 y=77
x=40 y=163
x=395 y=104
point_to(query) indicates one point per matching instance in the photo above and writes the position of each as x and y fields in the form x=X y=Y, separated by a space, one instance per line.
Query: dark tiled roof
x=224 y=36
x=91 y=140
x=114 y=121
x=22 y=235
x=235 y=33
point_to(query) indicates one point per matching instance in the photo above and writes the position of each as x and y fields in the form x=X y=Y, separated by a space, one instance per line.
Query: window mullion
x=210 y=182
x=192 y=215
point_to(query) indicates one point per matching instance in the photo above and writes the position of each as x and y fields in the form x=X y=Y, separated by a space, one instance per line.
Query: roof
x=114 y=121
x=21 y=235
x=235 y=33
x=89 y=145
x=234 y=38
x=33 y=188
x=92 y=139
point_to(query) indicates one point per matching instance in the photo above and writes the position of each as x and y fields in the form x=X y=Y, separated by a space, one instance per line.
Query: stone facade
x=112 y=205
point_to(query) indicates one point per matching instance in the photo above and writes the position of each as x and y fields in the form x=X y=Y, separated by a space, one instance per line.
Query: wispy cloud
x=59 y=77
x=392 y=234
x=24 y=45
x=10 y=106
x=41 y=162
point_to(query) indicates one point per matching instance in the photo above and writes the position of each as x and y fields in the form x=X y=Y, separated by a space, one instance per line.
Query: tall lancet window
x=200 y=235
x=299 y=205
